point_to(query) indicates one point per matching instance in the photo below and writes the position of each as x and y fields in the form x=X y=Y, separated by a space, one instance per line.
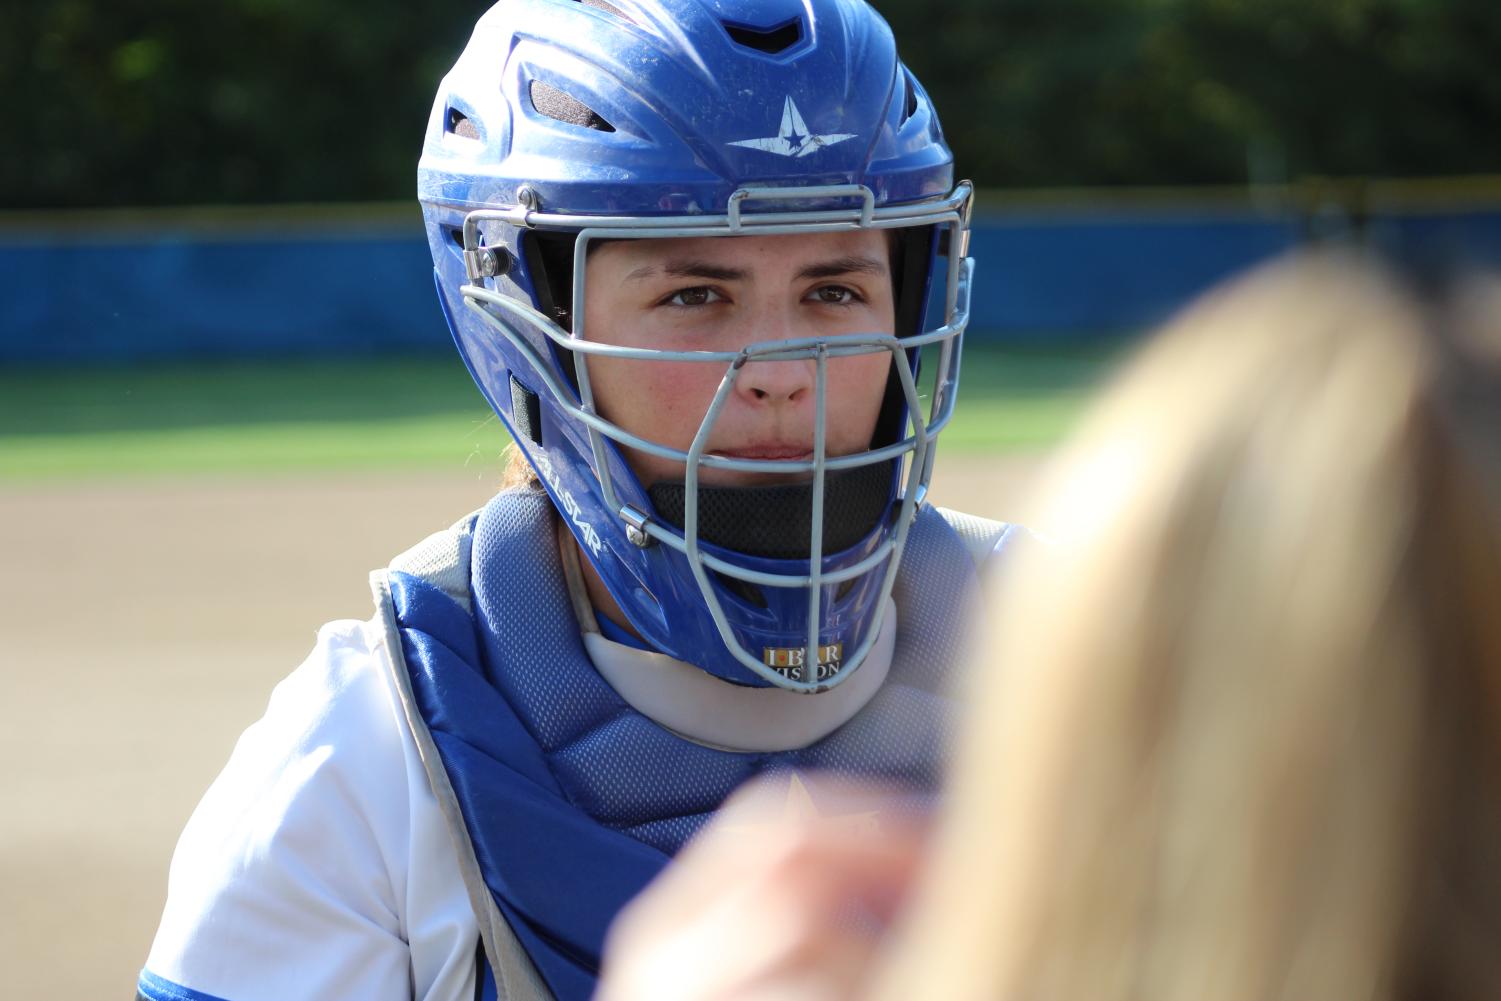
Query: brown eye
x=700 y=296
x=835 y=295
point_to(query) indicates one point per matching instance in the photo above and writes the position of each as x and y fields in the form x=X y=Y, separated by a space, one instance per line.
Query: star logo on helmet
x=793 y=138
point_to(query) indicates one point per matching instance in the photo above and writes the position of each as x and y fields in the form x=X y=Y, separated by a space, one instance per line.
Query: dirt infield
x=144 y=626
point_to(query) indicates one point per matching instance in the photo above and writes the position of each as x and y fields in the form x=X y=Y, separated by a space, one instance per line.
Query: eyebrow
x=688 y=269
x=850 y=264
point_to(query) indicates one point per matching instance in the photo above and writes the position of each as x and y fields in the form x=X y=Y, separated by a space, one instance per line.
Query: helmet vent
x=553 y=103
x=459 y=124
x=526 y=412
x=742 y=589
x=768 y=40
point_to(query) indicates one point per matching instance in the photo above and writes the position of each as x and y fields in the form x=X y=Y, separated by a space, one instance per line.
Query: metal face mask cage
x=915 y=444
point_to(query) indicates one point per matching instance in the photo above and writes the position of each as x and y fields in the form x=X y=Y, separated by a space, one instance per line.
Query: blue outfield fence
x=173 y=285
x=1041 y=276
x=122 y=287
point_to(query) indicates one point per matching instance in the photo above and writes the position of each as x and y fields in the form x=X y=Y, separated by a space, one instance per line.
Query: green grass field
x=286 y=417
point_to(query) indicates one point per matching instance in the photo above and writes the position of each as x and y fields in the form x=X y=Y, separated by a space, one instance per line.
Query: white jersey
x=318 y=864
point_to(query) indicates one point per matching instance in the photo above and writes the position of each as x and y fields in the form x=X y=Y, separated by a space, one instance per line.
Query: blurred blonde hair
x=516 y=472
x=1238 y=737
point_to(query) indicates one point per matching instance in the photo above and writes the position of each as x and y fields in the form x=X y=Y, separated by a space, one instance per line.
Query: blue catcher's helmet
x=567 y=122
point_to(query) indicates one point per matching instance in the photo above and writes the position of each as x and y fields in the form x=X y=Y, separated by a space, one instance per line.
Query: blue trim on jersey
x=153 y=988
x=484 y=977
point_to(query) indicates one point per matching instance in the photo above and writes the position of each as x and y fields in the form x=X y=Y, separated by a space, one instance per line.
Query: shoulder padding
x=442 y=560
x=980 y=535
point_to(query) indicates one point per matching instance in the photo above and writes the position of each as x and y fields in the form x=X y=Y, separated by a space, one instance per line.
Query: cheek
x=857 y=386
x=661 y=401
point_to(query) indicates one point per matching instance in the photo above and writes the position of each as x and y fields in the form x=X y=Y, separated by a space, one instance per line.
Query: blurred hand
x=778 y=898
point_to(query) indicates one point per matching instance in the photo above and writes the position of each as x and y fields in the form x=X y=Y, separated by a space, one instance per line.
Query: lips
x=769 y=452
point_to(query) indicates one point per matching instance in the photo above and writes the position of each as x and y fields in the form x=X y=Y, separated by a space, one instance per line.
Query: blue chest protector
x=564 y=800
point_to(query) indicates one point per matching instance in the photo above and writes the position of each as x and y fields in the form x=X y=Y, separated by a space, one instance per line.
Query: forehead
x=755 y=254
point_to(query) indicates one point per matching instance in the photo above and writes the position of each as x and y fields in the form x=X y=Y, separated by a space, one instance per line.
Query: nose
x=777 y=382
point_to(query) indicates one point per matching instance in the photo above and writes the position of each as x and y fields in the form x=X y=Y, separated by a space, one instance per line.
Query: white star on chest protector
x=793 y=138
x=797 y=808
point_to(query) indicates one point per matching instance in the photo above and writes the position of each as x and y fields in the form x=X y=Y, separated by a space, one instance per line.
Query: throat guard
x=775 y=522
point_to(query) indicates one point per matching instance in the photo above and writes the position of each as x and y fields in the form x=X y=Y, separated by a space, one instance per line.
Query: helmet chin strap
x=775 y=521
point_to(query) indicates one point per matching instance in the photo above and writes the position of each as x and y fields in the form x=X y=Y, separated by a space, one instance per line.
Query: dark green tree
x=172 y=102
x=167 y=102
x=1066 y=92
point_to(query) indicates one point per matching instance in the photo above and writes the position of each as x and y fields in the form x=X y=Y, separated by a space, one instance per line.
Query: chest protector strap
x=563 y=801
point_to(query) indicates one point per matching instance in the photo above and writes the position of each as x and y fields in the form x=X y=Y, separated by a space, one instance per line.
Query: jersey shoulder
x=292 y=878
